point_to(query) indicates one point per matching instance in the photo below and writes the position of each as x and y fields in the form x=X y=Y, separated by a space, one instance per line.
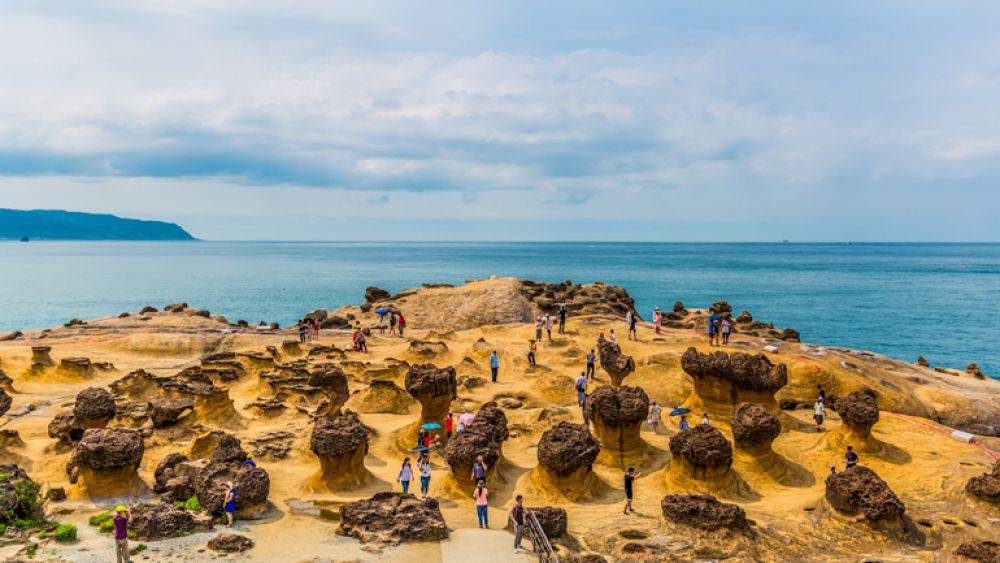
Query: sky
x=513 y=120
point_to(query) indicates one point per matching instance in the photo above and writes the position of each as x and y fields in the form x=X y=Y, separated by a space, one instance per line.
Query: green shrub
x=41 y=535
x=100 y=519
x=29 y=498
x=30 y=552
x=3 y=529
x=65 y=533
x=26 y=524
x=107 y=527
x=137 y=549
x=131 y=534
x=193 y=504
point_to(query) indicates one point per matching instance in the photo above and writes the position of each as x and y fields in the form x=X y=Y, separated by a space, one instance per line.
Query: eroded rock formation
x=982 y=551
x=230 y=543
x=617 y=414
x=105 y=461
x=165 y=412
x=483 y=437
x=986 y=486
x=211 y=403
x=858 y=491
x=858 y=413
x=566 y=455
x=159 y=521
x=217 y=447
x=94 y=408
x=618 y=365
x=434 y=388
x=390 y=518
x=704 y=512
x=754 y=428
x=341 y=445
x=5 y=402
x=702 y=453
x=722 y=381
x=553 y=520
x=382 y=396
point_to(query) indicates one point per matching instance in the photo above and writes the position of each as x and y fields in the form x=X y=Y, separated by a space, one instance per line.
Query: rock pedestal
x=333 y=381
x=566 y=455
x=105 y=462
x=94 y=408
x=434 y=388
x=484 y=437
x=40 y=356
x=341 y=446
x=858 y=413
x=755 y=428
x=617 y=415
x=75 y=368
x=217 y=447
x=722 y=381
x=617 y=365
x=702 y=459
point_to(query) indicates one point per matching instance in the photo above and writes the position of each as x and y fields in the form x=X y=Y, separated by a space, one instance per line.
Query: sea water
x=941 y=301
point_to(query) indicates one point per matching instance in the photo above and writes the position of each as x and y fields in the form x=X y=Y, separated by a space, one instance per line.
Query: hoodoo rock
x=552 y=520
x=63 y=428
x=211 y=403
x=566 y=455
x=618 y=365
x=703 y=454
x=617 y=414
x=105 y=461
x=40 y=356
x=859 y=491
x=165 y=412
x=754 y=427
x=434 y=388
x=159 y=521
x=859 y=412
x=986 y=486
x=722 y=381
x=333 y=381
x=341 y=445
x=391 y=519
x=166 y=481
x=94 y=408
x=704 y=512
x=483 y=437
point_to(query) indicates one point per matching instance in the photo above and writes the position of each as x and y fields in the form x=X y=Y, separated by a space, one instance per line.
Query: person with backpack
x=581 y=388
x=494 y=365
x=532 y=350
x=517 y=517
x=562 y=318
x=632 y=320
x=480 y=494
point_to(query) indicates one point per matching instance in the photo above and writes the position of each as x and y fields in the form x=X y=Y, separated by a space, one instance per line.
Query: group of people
x=391 y=321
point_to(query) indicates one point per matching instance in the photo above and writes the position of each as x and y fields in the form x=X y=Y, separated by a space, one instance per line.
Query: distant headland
x=70 y=225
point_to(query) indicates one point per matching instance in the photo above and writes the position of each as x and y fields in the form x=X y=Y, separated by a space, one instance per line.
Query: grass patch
x=193 y=504
x=30 y=552
x=137 y=549
x=65 y=533
x=131 y=534
x=99 y=519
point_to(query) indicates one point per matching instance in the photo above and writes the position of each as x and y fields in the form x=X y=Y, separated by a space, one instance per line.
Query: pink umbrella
x=466 y=419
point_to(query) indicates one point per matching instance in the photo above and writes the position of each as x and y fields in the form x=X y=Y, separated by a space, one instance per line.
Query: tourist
x=818 y=414
x=317 y=324
x=613 y=338
x=591 y=358
x=532 y=350
x=481 y=494
x=420 y=438
x=538 y=327
x=362 y=342
x=479 y=470
x=654 y=414
x=601 y=339
x=713 y=328
x=381 y=324
x=449 y=424
x=494 y=365
x=262 y=327
x=704 y=418
x=684 y=424
x=401 y=323
x=562 y=318
x=517 y=517
x=120 y=521
x=851 y=457
x=424 y=465
x=633 y=320
x=392 y=323
x=581 y=388
x=548 y=325
x=822 y=393
x=657 y=320
x=405 y=474
x=230 y=503
x=249 y=461
x=630 y=476
x=302 y=330
x=727 y=328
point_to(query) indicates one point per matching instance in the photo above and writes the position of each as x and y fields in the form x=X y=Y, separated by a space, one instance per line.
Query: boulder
x=63 y=427
x=108 y=448
x=754 y=427
x=159 y=521
x=553 y=520
x=566 y=454
x=218 y=447
x=175 y=307
x=341 y=445
x=859 y=491
x=10 y=476
x=721 y=307
x=94 y=408
x=858 y=412
x=165 y=412
x=374 y=294
x=252 y=488
x=230 y=543
x=617 y=365
x=5 y=401
x=922 y=362
x=790 y=335
x=986 y=486
x=704 y=512
x=617 y=414
x=983 y=551
x=434 y=388
x=702 y=452
x=974 y=371
x=11 y=336
x=391 y=518
x=483 y=437
x=333 y=381
x=679 y=308
x=335 y=322
x=744 y=318
x=147 y=309
x=722 y=381
x=167 y=483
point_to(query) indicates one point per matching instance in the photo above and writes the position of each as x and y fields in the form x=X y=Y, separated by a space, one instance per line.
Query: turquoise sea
x=941 y=301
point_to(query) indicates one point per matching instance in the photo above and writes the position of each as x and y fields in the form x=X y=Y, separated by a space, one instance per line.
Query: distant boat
x=785 y=241
x=25 y=239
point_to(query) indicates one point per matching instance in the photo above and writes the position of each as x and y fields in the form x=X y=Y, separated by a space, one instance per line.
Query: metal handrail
x=539 y=541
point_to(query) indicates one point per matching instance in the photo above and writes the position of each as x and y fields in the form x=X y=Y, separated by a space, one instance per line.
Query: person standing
x=392 y=323
x=684 y=424
x=713 y=328
x=405 y=474
x=727 y=329
x=517 y=517
x=548 y=325
x=704 y=418
x=633 y=320
x=851 y=457
x=381 y=325
x=249 y=461
x=494 y=365
x=822 y=393
x=482 y=513
x=532 y=350
x=362 y=342
x=401 y=323
x=657 y=320
x=818 y=412
x=538 y=327
x=630 y=476
x=581 y=388
x=120 y=521
x=302 y=331
x=562 y=318
x=479 y=470
x=591 y=358
x=654 y=414
x=449 y=424
x=425 y=475
x=230 y=503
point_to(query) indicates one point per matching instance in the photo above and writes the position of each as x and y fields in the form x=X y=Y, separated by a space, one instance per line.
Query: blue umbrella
x=382 y=312
x=679 y=410
x=431 y=426
x=420 y=449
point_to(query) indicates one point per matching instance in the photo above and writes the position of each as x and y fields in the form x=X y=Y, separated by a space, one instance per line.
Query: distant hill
x=70 y=225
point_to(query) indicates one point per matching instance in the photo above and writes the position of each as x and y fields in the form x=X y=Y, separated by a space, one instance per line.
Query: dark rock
x=974 y=371
x=218 y=447
x=94 y=407
x=483 y=437
x=392 y=518
x=335 y=322
x=983 y=551
x=722 y=307
x=859 y=410
x=552 y=520
x=201 y=313
x=63 y=427
x=165 y=470
x=374 y=294
x=922 y=362
x=567 y=447
x=790 y=335
x=339 y=436
x=164 y=412
x=333 y=381
x=124 y=316
x=428 y=380
x=147 y=309
x=55 y=494
x=230 y=543
x=859 y=491
x=159 y=521
x=11 y=336
x=252 y=486
x=744 y=318
x=103 y=449
x=986 y=486
x=745 y=371
x=618 y=365
x=679 y=308
x=175 y=307
x=704 y=512
x=10 y=476
x=618 y=406
x=5 y=401
x=702 y=446
x=754 y=426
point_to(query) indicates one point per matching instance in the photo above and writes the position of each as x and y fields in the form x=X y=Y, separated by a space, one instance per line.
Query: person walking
x=822 y=393
x=494 y=365
x=381 y=325
x=657 y=320
x=684 y=424
x=727 y=329
x=633 y=320
x=654 y=414
x=230 y=503
x=302 y=331
x=548 y=325
x=851 y=457
x=581 y=388
x=424 y=465
x=479 y=470
x=818 y=412
x=532 y=350
x=630 y=476
x=405 y=474
x=517 y=517
x=362 y=342
x=402 y=323
x=392 y=323
x=120 y=521
x=591 y=358
x=713 y=328
x=538 y=327
x=562 y=318
x=449 y=425
x=480 y=495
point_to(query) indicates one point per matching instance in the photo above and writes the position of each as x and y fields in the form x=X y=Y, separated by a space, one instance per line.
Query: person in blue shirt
x=713 y=329
x=684 y=424
x=249 y=461
x=494 y=365
x=851 y=457
x=581 y=388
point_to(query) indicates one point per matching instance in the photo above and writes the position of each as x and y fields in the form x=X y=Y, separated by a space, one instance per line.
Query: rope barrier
x=974 y=442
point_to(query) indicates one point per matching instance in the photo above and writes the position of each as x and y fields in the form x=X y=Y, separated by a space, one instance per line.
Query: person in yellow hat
x=121 y=520
x=249 y=461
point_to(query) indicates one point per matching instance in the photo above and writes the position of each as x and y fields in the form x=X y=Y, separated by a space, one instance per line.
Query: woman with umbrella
x=683 y=424
x=381 y=320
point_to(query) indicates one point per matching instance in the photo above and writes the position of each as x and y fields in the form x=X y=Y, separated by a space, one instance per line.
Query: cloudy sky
x=508 y=120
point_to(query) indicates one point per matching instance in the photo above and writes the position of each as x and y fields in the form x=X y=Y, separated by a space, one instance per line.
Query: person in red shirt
x=402 y=324
x=449 y=425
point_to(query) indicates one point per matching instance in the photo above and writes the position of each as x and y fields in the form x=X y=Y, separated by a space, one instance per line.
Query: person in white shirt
x=818 y=412
x=704 y=418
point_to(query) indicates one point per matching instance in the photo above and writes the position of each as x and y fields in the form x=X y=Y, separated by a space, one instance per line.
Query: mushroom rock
x=483 y=437
x=679 y=308
x=75 y=367
x=252 y=488
x=165 y=412
x=382 y=396
x=704 y=512
x=566 y=455
x=105 y=462
x=722 y=307
x=722 y=381
x=160 y=521
x=982 y=551
x=391 y=518
x=618 y=365
x=5 y=401
x=211 y=403
x=922 y=362
x=986 y=486
x=858 y=413
x=744 y=318
x=94 y=408
x=704 y=456
x=40 y=356
x=974 y=371
x=434 y=388
x=858 y=491
x=617 y=414
x=217 y=447
x=333 y=381
x=553 y=520
x=341 y=446
x=374 y=294
x=230 y=543
x=754 y=428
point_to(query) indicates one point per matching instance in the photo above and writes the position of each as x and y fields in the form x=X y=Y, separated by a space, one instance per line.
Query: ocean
x=941 y=301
